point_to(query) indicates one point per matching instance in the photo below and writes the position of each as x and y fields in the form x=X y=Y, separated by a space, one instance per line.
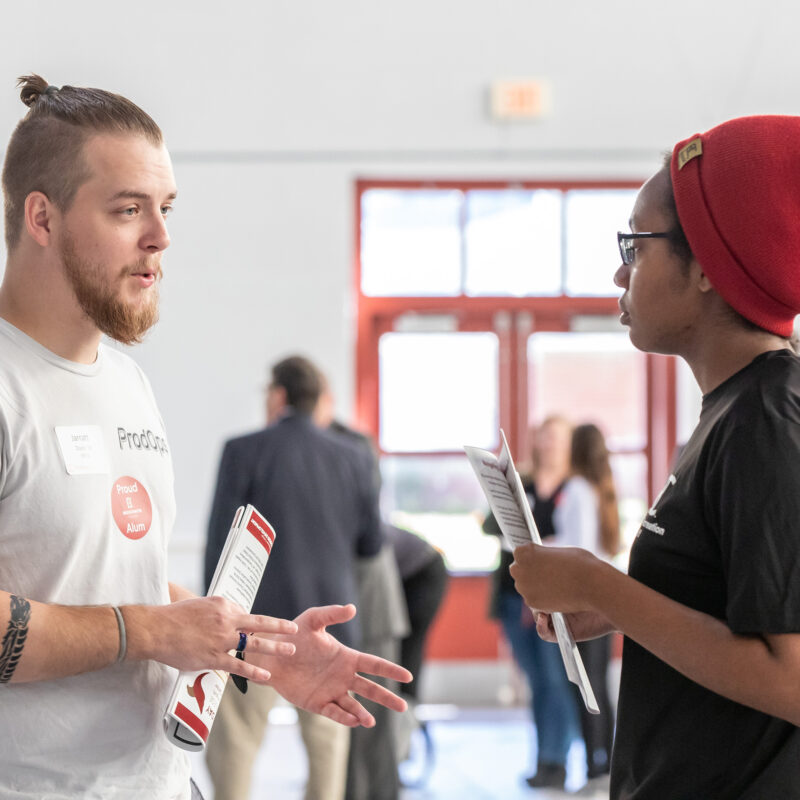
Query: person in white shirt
x=91 y=630
x=587 y=516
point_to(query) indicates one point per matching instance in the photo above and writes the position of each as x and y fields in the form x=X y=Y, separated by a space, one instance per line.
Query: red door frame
x=377 y=315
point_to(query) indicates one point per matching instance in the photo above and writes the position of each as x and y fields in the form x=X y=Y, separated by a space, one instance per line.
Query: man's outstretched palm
x=322 y=673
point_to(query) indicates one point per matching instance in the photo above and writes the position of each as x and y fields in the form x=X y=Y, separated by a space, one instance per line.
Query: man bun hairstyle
x=32 y=87
x=45 y=152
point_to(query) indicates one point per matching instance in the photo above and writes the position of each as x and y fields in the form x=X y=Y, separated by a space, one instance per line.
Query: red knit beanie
x=737 y=191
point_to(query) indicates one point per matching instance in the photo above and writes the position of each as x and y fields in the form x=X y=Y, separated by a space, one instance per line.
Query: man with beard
x=89 y=623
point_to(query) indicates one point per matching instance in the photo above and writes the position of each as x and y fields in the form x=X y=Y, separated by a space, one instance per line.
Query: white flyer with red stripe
x=196 y=695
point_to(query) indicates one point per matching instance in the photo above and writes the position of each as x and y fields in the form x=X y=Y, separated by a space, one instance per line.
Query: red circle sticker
x=131 y=507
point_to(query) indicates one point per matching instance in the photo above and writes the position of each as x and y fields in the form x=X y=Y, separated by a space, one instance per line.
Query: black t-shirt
x=723 y=537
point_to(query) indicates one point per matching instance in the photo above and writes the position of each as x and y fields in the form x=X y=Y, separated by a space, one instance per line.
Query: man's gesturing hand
x=322 y=672
x=201 y=633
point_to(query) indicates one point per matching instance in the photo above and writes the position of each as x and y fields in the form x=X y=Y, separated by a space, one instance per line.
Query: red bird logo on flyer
x=196 y=690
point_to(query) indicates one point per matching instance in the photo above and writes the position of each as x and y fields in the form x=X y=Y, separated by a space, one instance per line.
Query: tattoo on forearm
x=14 y=640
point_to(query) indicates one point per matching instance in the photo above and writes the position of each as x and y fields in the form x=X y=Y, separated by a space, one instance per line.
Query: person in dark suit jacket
x=318 y=492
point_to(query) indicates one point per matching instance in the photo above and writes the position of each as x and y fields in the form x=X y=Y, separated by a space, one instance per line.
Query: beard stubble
x=99 y=299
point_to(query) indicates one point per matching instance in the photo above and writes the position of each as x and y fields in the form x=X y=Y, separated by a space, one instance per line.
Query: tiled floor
x=479 y=754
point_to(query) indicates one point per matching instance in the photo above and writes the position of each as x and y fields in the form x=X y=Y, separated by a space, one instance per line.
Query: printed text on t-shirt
x=142 y=440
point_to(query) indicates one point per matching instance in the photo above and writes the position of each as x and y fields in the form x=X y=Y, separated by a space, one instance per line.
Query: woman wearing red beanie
x=709 y=702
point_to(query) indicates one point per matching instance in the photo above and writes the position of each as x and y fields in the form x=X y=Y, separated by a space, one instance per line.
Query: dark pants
x=372 y=766
x=424 y=591
x=597 y=729
x=554 y=711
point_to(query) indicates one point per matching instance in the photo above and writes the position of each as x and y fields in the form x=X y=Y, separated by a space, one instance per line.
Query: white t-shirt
x=577 y=517
x=86 y=508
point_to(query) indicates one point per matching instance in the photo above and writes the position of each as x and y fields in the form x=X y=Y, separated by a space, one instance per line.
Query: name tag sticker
x=82 y=449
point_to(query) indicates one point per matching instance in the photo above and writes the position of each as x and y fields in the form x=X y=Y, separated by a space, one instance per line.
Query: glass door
x=597 y=377
x=439 y=390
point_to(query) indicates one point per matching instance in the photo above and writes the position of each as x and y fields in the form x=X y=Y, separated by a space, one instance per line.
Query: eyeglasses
x=626 y=240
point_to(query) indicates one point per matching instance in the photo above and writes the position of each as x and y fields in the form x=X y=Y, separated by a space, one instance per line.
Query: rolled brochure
x=195 y=697
x=502 y=486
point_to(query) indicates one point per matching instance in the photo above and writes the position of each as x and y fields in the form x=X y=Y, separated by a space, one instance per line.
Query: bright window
x=438 y=391
x=411 y=242
x=491 y=242
x=488 y=305
x=513 y=242
x=599 y=378
x=438 y=497
x=592 y=218
x=590 y=377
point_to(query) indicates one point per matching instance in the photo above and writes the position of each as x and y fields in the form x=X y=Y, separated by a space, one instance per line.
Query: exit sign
x=525 y=98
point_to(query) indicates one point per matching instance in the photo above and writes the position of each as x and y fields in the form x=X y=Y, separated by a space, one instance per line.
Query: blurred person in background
x=400 y=592
x=424 y=575
x=421 y=566
x=587 y=516
x=372 y=764
x=555 y=714
x=318 y=492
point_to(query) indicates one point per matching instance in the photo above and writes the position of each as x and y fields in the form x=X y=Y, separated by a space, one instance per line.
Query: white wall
x=273 y=109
